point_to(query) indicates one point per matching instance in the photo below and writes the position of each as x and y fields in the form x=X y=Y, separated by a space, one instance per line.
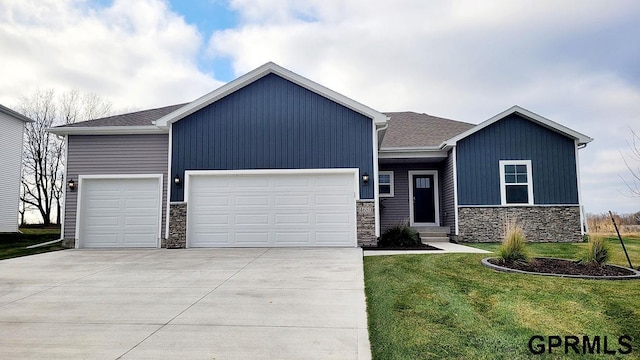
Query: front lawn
x=450 y=306
x=14 y=245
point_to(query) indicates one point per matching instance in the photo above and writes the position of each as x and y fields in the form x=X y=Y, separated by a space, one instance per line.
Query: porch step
x=433 y=239
x=430 y=234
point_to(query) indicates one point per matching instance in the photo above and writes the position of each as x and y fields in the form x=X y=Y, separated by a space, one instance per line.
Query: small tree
x=43 y=156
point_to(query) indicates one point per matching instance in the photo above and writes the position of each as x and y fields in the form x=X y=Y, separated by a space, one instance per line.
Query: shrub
x=597 y=251
x=513 y=248
x=400 y=235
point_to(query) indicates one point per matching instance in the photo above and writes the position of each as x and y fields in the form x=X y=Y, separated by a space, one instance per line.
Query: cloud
x=133 y=53
x=569 y=61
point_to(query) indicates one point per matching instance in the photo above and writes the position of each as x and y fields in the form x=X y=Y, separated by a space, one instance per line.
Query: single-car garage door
x=119 y=212
x=274 y=209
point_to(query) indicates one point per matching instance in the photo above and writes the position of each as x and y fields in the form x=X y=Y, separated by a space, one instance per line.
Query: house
x=275 y=159
x=11 y=137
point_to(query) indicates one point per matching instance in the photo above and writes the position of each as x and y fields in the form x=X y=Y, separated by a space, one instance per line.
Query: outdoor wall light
x=365 y=178
x=177 y=180
x=71 y=184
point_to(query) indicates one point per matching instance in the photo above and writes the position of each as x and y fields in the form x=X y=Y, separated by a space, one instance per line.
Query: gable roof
x=410 y=130
x=262 y=71
x=14 y=114
x=581 y=138
x=135 y=122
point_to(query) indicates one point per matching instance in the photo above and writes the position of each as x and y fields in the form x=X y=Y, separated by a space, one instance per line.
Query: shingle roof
x=409 y=129
x=406 y=129
x=138 y=118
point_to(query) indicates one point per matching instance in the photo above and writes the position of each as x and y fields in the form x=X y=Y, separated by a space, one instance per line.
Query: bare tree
x=632 y=160
x=43 y=157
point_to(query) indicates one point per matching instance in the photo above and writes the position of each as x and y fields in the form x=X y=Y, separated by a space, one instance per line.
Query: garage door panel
x=292 y=219
x=250 y=238
x=252 y=219
x=120 y=212
x=292 y=200
x=293 y=238
x=258 y=200
x=333 y=199
x=331 y=238
x=334 y=219
x=271 y=210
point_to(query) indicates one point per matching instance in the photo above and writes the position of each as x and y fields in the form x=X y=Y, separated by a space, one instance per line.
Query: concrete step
x=432 y=234
x=433 y=239
x=433 y=229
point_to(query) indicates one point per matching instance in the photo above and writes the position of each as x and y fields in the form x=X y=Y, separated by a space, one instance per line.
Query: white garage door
x=120 y=212
x=271 y=209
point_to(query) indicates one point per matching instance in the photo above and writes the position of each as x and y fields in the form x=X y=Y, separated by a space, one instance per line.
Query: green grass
x=450 y=306
x=14 y=245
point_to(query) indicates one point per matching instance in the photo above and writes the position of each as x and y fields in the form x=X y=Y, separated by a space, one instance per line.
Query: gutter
x=44 y=244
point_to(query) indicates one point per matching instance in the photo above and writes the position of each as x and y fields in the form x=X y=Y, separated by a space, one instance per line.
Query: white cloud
x=133 y=53
x=466 y=60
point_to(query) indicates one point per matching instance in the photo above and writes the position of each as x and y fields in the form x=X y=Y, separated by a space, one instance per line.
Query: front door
x=424 y=198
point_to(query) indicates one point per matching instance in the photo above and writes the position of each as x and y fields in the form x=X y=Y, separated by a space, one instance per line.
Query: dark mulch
x=565 y=267
x=423 y=247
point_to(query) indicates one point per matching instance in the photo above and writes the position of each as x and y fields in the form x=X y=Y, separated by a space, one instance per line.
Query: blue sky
x=209 y=16
x=572 y=61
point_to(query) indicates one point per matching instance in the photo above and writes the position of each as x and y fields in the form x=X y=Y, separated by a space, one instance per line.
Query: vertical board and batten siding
x=113 y=155
x=11 y=136
x=552 y=158
x=272 y=123
x=395 y=209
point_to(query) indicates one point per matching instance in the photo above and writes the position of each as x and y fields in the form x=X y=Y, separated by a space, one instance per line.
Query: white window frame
x=503 y=184
x=391 y=191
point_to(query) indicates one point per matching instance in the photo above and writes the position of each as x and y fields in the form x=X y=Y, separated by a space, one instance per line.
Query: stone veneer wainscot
x=366 y=223
x=539 y=223
x=177 y=226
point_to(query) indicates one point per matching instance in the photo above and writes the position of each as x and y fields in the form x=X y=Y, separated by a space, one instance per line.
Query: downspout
x=376 y=167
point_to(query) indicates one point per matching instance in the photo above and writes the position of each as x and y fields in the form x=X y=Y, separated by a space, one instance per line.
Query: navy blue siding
x=273 y=124
x=552 y=158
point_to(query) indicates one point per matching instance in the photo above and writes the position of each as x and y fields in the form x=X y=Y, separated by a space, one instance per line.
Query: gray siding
x=272 y=124
x=114 y=154
x=11 y=135
x=446 y=189
x=396 y=209
x=552 y=158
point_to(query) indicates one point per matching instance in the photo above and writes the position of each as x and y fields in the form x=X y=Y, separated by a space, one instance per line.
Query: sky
x=576 y=62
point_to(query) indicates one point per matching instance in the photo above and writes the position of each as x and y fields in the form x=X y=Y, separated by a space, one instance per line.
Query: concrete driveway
x=184 y=304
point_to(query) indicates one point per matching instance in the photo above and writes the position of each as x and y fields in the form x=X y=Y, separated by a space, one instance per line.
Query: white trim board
x=436 y=196
x=503 y=189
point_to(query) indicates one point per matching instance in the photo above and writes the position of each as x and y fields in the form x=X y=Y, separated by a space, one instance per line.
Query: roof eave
x=14 y=114
x=107 y=130
x=258 y=73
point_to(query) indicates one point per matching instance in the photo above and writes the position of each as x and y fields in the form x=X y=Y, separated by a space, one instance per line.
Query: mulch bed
x=565 y=267
x=423 y=247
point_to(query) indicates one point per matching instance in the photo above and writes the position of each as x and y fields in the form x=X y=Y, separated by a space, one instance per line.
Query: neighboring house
x=11 y=138
x=274 y=159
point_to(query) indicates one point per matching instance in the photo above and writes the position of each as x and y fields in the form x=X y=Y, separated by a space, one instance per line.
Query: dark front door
x=424 y=208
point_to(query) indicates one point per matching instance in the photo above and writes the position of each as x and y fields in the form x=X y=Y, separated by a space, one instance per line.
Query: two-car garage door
x=271 y=209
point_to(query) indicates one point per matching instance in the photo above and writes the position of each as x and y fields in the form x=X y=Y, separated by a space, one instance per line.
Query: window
x=385 y=183
x=516 y=183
